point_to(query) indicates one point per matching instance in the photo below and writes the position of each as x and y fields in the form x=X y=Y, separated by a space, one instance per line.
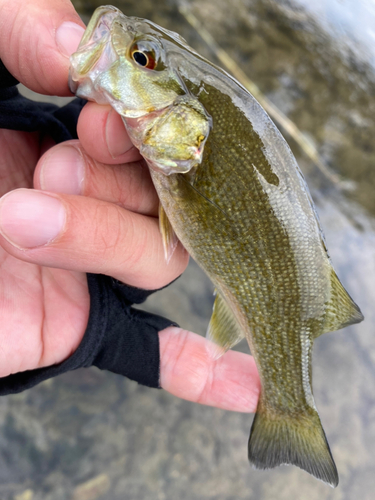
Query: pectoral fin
x=341 y=310
x=170 y=240
x=223 y=329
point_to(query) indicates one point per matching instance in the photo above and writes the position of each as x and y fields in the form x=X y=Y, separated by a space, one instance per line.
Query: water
x=95 y=435
x=350 y=22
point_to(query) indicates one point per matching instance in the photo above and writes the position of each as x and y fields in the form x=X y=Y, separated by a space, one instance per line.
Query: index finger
x=36 y=39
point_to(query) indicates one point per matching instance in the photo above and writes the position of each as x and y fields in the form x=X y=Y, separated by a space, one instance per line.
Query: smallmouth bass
x=232 y=193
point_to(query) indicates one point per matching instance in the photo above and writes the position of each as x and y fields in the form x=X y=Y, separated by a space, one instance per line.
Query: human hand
x=99 y=216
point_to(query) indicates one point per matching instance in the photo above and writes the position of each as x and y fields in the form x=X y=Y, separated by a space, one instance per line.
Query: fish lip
x=73 y=84
x=92 y=37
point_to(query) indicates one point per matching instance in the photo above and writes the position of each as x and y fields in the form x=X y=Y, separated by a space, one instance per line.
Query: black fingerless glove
x=118 y=337
x=19 y=113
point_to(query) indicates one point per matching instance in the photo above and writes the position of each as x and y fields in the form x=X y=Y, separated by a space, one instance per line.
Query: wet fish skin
x=232 y=191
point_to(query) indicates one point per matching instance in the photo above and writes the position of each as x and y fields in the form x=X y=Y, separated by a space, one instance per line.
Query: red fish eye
x=144 y=58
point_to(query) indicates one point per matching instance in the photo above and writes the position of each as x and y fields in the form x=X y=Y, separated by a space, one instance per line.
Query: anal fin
x=223 y=329
x=170 y=240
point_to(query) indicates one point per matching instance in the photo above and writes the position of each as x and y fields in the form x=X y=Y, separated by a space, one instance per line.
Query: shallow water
x=95 y=435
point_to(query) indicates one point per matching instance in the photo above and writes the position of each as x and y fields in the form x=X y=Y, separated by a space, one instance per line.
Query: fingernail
x=63 y=171
x=117 y=139
x=30 y=218
x=68 y=36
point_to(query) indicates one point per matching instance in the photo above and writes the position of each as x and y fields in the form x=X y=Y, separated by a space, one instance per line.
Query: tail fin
x=298 y=440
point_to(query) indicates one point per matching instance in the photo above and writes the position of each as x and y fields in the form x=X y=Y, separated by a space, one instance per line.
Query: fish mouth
x=96 y=53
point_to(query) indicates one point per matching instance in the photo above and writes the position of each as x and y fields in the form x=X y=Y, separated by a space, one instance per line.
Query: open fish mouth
x=96 y=53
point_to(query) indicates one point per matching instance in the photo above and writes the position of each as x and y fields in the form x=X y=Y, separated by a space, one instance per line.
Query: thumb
x=36 y=39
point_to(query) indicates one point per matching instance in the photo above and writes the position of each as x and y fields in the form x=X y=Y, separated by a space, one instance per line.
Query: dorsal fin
x=170 y=240
x=223 y=328
x=341 y=310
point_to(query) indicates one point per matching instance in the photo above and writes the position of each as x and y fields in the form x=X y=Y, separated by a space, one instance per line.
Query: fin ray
x=170 y=240
x=341 y=310
x=292 y=439
x=223 y=328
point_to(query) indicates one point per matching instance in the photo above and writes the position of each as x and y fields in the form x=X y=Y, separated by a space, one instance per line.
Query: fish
x=232 y=193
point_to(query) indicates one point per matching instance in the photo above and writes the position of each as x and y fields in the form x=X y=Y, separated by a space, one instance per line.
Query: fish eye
x=144 y=56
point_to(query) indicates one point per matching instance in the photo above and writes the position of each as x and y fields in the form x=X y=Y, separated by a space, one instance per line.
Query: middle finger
x=102 y=133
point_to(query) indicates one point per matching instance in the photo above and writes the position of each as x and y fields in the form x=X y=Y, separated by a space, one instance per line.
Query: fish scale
x=232 y=261
x=240 y=256
x=232 y=192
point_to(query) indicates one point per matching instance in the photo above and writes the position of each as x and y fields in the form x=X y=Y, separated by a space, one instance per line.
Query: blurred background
x=91 y=435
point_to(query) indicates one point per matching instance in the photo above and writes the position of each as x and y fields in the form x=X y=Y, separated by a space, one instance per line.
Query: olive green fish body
x=237 y=225
x=233 y=194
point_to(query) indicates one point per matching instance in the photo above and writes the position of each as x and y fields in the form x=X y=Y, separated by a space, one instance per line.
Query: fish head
x=130 y=63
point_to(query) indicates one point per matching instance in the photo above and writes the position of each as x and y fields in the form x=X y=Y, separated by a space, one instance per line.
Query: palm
x=51 y=305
